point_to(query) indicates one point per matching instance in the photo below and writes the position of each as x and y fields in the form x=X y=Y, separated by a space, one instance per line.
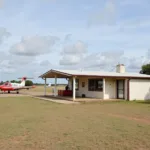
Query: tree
x=1 y=82
x=145 y=69
x=28 y=83
x=15 y=81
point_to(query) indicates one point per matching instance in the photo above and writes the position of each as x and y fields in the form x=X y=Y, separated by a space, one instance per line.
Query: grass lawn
x=31 y=124
x=40 y=89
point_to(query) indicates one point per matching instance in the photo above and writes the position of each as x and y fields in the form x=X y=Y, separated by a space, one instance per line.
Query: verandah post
x=45 y=88
x=103 y=88
x=74 y=88
x=55 y=91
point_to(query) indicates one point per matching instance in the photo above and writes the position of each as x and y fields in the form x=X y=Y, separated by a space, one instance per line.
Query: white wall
x=139 y=89
x=84 y=90
x=110 y=89
x=126 y=89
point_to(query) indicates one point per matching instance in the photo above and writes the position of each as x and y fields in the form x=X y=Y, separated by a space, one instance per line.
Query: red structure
x=65 y=92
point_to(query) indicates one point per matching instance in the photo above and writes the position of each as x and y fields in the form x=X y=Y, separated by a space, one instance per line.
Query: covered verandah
x=59 y=75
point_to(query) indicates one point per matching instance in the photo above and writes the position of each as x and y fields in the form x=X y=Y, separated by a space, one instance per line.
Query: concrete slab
x=54 y=100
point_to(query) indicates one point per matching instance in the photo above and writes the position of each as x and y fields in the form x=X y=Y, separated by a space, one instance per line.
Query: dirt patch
x=131 y=118
x=15 y=140
x=19 y=139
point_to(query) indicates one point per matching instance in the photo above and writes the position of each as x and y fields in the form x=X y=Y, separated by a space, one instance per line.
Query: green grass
x=31 y=124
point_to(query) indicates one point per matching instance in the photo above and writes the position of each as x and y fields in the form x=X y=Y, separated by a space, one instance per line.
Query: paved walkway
x=54 y=100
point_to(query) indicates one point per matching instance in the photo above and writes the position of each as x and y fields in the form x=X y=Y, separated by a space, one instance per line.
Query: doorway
x=120 y=89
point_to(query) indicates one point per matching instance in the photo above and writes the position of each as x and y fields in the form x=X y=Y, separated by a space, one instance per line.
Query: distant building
x=49 y=84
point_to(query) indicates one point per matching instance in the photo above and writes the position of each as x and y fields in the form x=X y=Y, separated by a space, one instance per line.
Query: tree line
x=145 y=69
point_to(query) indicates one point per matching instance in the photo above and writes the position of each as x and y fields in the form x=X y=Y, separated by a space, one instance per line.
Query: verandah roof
x=81 y=73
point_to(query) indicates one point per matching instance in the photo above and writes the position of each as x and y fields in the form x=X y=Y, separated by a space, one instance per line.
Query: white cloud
x=48 y=0
x=20 y=60
x=19 y=66
x=107 y=61
x=34 y=46
x=67 y=38
x=8 y=71
x=5 y=64
x=132 y=2
x=13 y=62
x=73 y=54
x=45 y=63
x=3 y=56
x=135 y=63
x=112 y=54
x=3 y=34
x=78 y=48
x=70 y=59
x=103 y=60
x=1 y=3
x=6 y=67
x=106 y=16
x=16 y=60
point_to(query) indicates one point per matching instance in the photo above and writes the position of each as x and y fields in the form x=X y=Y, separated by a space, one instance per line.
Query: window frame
x=95 y=84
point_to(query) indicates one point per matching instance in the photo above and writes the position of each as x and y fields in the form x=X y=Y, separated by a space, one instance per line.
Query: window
x=83 y=84
x=95 y=84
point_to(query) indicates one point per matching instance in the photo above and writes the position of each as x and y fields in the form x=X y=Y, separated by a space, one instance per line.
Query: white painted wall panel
x=84 y=90
x=139 y=89
x=110 y=89
x=126 y=89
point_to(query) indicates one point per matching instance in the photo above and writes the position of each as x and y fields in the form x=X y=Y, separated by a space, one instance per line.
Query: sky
x=39 y=35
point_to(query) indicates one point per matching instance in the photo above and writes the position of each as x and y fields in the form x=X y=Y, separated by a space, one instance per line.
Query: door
x=120 y=89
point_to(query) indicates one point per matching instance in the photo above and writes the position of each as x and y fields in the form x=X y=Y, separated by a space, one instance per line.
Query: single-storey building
x=103 y=85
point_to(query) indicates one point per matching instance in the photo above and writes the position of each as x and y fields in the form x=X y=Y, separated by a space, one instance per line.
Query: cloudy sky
x=37 y=35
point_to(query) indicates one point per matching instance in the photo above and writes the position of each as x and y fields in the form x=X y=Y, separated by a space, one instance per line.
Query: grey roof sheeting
x=69 y=73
